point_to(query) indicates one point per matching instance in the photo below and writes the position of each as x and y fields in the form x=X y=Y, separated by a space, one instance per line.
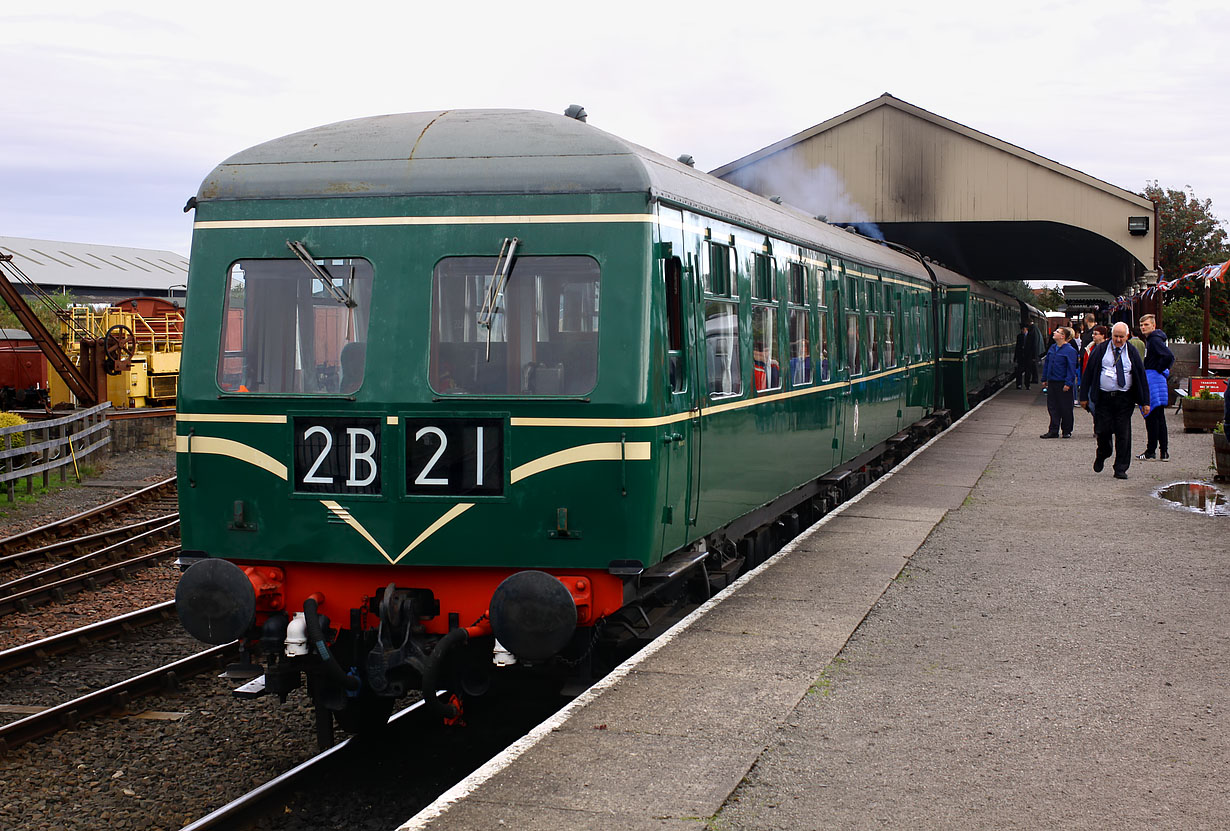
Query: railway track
x=51 y=532
x=259 y=801
x=111 y=698
x=21 y=595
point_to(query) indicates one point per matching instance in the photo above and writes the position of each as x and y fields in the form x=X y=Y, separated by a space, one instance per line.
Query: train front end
x=399 y=448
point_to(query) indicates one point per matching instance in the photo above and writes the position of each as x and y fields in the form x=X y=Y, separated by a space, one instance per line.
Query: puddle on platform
x=1196 y=497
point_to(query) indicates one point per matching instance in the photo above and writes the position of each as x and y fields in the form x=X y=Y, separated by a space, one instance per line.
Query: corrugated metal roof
x=113 y=268
x=887 y=100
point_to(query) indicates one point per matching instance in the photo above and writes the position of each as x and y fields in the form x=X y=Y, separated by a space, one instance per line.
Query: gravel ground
x=118 y=475
x=1053 y=657
x=132 y=772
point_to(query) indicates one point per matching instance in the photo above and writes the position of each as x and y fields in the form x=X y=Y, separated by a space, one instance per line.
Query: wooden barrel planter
x=1202 y=414
x=1221 y=456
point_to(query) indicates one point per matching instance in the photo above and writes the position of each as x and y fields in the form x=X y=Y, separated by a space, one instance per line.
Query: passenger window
x=873 y=343
x=824 y=345
x=766 y=371
x=295 y=326
x=723 y=276
x=723 y=370
x=535 y=335
x=800 y=349
x=764 y=278
x=890 y=342
x=956 y=326
x=854 y=361
x=798 y=284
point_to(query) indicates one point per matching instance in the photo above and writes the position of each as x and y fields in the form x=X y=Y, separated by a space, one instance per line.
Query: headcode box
x=1217 y=385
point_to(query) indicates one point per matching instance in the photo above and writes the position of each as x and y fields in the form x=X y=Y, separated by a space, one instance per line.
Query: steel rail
x=46 y=552
x=90 y=579
x=35 y=651
x=226 y=816
x=62 y=528
x=69 y=568
x=116 y=696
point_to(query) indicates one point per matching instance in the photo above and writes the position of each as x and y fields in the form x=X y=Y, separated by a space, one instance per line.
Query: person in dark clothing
x=1060 y=376
x=1024 y=356
x=1034 y=345
x=1114 y=381
x=1158 y=360
x=1087 y=333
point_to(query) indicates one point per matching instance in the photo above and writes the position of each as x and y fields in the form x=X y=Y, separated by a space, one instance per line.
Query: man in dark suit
x=1026 y=360
x=1115 y=382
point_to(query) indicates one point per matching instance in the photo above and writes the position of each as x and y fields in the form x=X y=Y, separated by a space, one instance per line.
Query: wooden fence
x=27 y=450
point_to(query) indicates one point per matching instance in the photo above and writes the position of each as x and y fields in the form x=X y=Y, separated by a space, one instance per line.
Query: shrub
x=12 y=420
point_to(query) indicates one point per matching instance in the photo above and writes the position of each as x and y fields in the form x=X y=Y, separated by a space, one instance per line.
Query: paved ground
x=1052 y=655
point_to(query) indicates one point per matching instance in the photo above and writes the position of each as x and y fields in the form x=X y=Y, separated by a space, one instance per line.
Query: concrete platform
x=967 y=687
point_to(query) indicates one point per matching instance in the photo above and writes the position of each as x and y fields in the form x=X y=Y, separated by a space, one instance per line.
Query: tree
x=1049 y=298
x=1185 y=319
x=1014 y=288
x=1190 y=236
x=62 y=300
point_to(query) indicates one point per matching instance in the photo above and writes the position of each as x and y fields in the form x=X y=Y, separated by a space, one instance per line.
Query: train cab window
x=537 y=334
x=294 y=328
x=723 y=366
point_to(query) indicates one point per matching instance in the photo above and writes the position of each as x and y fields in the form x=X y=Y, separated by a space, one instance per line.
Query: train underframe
x=537 y=626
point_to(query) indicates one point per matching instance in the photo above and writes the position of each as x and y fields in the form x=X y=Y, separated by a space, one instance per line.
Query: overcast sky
x=113 y=112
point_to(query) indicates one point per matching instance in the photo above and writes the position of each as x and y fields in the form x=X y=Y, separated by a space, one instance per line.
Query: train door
x=832 y=370
x=852 y=331
x=679 y=434
x=956 y=312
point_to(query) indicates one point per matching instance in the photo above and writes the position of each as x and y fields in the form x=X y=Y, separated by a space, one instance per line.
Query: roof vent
x=576 y=111
x=686 y=159
x=822 y=217
x=776 y=200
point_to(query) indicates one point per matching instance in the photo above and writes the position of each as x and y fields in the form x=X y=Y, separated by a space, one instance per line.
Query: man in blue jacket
x=1060 y=375
x=1115 y=382
x=1158 y=360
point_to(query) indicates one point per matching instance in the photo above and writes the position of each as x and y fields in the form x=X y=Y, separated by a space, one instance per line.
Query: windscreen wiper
x=499 y=277
x=319 y=272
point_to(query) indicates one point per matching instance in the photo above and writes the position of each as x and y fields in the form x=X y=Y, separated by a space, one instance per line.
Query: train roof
x=450 y=152
x=524 y=152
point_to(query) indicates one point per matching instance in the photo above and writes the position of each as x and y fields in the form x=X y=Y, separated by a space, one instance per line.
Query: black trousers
x=1026 y=373
x=1155 y=429
x=1059 y=405
x=1112 y=423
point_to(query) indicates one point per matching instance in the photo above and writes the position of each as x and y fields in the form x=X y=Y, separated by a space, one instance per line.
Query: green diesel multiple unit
x=464 y=385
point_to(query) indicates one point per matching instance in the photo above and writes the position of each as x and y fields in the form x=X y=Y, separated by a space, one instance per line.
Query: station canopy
x=979 y=205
